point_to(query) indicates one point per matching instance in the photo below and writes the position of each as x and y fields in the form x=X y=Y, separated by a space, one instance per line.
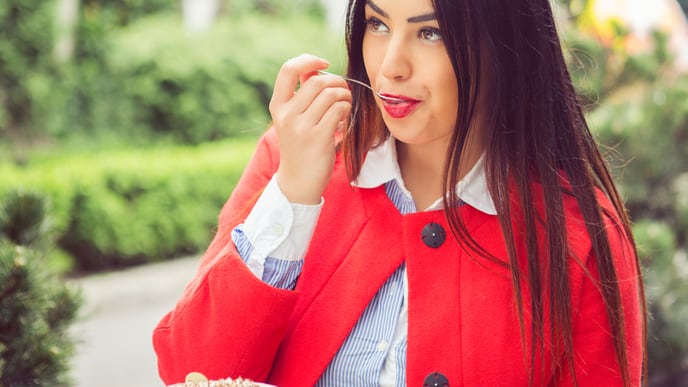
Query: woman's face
x=405 y=57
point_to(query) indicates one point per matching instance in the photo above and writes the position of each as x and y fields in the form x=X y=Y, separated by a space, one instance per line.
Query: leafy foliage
x=172 y=86
x=648 y=127
x=25 y=50
x=637 y=107
x=35 y=307
x=281 y=8
x=22 y=220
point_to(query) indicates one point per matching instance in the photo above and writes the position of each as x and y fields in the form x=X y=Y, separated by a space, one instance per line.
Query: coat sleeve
x=227 y=323
x=595 y=359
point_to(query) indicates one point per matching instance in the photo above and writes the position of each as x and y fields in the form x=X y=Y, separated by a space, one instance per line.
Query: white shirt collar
x=380 y=166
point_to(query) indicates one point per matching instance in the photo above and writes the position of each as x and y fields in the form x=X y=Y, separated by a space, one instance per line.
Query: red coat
x=462 y=313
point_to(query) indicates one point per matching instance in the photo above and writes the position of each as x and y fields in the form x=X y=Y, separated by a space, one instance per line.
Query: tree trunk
x=67 y=17
x=336 y=14
x=199 y=15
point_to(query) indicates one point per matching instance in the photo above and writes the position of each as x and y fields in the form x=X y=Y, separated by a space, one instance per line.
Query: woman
x=467 y=232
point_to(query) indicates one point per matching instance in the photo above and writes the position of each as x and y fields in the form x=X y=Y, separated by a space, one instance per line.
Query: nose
x=396 y=64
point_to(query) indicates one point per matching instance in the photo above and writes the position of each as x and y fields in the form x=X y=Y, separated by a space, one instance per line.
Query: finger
x=290 y=74
x=306 y=121
x=305 y=77
x=312 y=89
x=333 y=116
x=323 y=102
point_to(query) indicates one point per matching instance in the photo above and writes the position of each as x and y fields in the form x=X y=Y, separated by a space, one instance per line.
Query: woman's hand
x=306 y=121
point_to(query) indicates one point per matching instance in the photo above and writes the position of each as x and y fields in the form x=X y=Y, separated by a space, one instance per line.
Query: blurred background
x=124 y=126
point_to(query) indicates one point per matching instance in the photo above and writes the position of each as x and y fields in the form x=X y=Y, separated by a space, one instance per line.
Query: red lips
x=399 y=106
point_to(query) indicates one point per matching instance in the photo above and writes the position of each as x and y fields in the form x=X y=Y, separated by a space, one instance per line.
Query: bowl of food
x=197 y=379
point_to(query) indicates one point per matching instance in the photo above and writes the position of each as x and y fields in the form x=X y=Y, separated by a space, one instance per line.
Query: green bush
x=25 y=51
x=183 y=87
x=36 y=308
x=124 y=207
x=279 y=8
x=204 y=87
x=666 y=280
x=643 y=121
x=637 y=107
x=40 y=98
x=648 y=126
x=22 y=219
x=128 y=79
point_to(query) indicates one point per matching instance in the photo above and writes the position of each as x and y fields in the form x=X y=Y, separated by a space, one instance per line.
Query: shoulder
x=578 y=218
x=255 y=176
x=603 y=249
x=265 y=160
x=610 y=224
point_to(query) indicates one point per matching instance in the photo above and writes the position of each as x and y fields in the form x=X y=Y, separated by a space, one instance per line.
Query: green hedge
x=124 y=207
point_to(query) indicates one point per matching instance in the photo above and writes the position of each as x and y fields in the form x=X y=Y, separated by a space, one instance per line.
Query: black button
x=436 y=379
x=433 y=235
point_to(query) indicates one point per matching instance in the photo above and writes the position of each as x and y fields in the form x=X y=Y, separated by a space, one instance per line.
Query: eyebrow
x=414 y=19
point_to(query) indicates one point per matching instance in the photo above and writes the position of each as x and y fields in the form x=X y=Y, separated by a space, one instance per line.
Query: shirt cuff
x=278 y=229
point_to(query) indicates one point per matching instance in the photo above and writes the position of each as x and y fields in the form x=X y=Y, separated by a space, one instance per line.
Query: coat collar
x=380 y=167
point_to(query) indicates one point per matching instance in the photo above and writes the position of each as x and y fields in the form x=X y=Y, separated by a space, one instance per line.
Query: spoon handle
x=348 y=79
x=382 y=97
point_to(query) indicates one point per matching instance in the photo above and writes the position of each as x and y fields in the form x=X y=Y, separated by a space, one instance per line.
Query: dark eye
x=376 y=25
x=430 y=34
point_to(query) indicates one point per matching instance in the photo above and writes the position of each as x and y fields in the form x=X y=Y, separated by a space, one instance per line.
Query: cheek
x=371 y=58
x=447 y=94
x=451 y=96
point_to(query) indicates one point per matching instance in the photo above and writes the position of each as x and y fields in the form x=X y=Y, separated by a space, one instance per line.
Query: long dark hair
x=536 y=132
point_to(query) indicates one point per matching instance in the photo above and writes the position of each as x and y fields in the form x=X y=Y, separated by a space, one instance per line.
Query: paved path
x=116 y=321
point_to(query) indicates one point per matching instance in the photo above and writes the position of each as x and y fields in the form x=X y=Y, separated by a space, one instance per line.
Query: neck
x=423 y=169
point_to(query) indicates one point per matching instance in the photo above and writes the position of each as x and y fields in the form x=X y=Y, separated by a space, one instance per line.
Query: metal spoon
x=382 y=97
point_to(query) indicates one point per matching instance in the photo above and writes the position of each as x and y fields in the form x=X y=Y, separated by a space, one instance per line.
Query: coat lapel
x=355 y=249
